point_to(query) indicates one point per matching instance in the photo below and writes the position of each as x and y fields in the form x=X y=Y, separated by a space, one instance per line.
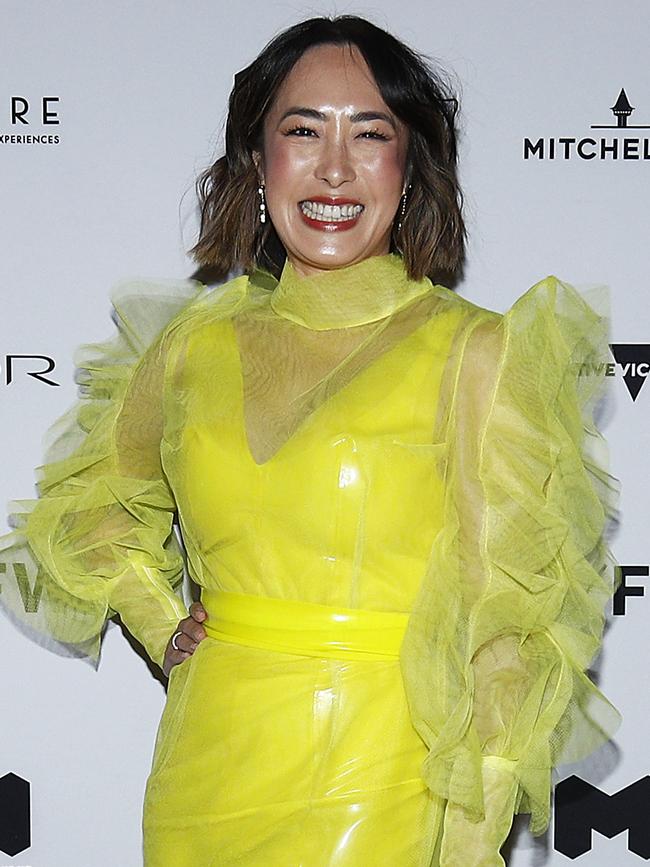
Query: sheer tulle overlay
x=354 y=440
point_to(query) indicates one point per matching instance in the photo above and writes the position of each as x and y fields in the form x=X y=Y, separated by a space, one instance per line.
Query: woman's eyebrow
x=358 y=117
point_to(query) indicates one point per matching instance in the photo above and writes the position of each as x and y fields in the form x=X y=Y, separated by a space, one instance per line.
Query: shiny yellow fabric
x=354 y=440
x=305 y=628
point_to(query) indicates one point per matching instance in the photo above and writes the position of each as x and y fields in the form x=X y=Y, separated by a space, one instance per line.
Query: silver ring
x=174 y=637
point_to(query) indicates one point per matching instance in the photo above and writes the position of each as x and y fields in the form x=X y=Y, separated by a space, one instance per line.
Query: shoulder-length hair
x=432 y=236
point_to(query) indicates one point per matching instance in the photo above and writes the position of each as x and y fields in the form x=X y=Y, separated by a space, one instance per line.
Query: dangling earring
x=260 y=190
x=402 y=208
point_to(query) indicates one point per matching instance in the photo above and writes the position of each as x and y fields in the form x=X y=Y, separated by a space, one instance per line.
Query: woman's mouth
x=330 y=218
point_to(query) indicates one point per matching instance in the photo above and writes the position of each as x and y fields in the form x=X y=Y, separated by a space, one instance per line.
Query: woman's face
x=331 y=142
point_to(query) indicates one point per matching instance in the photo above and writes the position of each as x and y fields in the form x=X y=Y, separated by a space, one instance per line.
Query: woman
x=384 y=492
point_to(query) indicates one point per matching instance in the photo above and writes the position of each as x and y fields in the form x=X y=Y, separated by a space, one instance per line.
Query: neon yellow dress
x=393 y=501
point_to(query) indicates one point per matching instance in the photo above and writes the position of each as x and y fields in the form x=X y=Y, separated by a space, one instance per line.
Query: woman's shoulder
x=549 y=291
x=166 y=311
x=462 y=306
x=476 y=325
x=153 y=320
x=549 y=319
x=209 y=304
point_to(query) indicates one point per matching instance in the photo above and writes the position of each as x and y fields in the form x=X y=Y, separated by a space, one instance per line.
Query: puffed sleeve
x=511 y=611
x=99 y=539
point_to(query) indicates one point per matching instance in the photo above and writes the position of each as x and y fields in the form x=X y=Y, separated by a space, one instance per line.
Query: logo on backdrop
x=634 y=361
x=32 y=120
x=15 y=824
x=625 y=590
x=30 y=591
x=621 y=111
x=581 y=808
x=604 y=147
x=17 y=367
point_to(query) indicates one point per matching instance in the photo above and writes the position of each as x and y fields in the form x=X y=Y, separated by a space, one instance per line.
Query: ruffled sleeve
x=99 y=540
x=511 y=611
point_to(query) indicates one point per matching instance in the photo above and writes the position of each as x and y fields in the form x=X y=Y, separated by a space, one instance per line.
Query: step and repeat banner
x=108 y=111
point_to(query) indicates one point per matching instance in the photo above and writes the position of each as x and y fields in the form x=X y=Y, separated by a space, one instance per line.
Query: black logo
x=15 y=824
x=621 y=110
x=623 y=589
x=25 y=114
x=581 y=808
x=616 y=147
x=634 y=361
x=35 y=366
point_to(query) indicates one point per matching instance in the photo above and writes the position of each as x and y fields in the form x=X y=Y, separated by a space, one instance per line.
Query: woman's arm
x=99 y=539
x=511 y=613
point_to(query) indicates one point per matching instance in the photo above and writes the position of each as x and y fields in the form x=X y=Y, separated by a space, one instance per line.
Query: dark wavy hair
x=432 y=237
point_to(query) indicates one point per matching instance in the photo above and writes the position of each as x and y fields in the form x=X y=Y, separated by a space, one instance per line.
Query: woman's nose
x=334 y=164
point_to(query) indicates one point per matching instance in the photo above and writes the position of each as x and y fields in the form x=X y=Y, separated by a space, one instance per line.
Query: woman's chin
x=328 y=251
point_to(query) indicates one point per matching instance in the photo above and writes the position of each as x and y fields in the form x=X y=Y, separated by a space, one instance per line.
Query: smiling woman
x=334 y=112
x=386 y=494
x=347 y=140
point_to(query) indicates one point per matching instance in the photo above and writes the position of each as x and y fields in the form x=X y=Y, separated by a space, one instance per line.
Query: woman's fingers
x=186 y=637
x=182 y=642
x=192 y=625
x=198 y=612
x=188 y=633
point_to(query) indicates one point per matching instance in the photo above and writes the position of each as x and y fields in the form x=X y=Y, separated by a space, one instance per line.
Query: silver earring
x=260 y=190
x=402 y=209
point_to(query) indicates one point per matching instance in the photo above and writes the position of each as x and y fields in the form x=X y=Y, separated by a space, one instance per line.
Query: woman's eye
x=306 y=132
x=373 y=133
x=299 y=130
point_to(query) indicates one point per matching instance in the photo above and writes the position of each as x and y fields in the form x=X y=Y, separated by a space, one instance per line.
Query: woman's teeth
x=330 y=213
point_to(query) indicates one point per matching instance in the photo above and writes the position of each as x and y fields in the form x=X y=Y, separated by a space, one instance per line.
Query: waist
x=303 y=628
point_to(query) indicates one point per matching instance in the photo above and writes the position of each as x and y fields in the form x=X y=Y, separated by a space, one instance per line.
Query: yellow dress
x=393 y=505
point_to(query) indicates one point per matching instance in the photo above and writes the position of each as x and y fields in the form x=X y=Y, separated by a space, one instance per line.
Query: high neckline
x=356 y=294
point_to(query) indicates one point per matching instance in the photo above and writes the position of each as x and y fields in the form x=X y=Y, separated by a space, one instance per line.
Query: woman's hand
x=191 y=634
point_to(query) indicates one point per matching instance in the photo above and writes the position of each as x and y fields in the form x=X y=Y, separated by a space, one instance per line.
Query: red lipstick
x=334 y=225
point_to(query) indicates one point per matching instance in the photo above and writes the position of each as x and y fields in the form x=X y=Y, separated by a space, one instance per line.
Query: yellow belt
x=303 y=628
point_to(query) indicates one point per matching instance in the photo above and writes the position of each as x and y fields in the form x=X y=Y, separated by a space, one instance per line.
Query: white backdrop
x=140 y=92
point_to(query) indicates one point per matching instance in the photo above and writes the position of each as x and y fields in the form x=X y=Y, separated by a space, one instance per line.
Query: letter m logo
x=581 y=808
